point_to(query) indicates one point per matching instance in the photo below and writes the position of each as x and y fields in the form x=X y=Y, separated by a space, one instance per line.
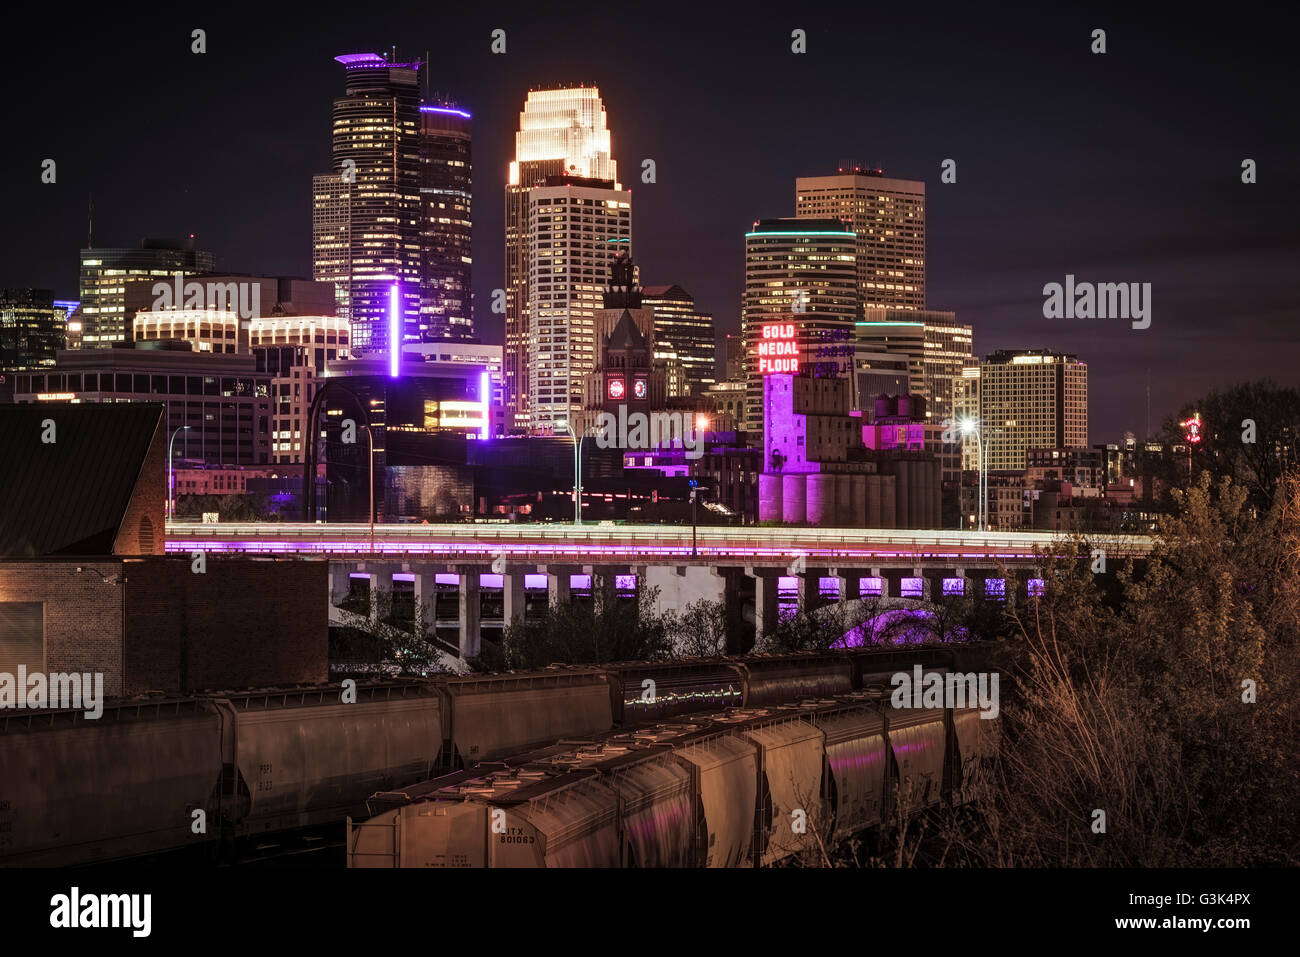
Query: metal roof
x=69 y=496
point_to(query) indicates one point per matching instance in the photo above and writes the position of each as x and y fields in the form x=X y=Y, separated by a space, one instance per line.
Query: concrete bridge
x=505 y=568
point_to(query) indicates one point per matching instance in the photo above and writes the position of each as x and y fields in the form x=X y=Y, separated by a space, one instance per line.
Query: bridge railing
x=639 y=539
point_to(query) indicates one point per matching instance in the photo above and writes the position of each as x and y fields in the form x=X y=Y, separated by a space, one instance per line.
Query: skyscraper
x=1031 y=399
x=32 y=328
x=567 y=217
x=104 y=274
x=888 y=217
x=688 y=333
x=576 y=228
x=936 y=348
x=446 y=194
x=366 y=212
x=802 y=273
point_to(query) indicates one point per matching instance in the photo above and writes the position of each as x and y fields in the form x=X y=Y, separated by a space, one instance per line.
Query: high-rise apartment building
x=562 y=139
x=32 y=328
x=367 y=226
x=446 y=195
x=799 y=273
x=1031 y=399
x=935 y=346
x=105 y=318
x=888 y=218
x=680 y=329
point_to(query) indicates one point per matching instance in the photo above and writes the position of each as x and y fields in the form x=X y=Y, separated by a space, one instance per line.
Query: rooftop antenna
x=90 y=223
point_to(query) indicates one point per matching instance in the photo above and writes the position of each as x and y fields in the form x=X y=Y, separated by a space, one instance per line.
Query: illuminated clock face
x=616 y=388
x=639 y=388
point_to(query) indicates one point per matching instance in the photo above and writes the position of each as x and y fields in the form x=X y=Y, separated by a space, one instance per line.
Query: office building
x=295 y=352
x=686 y=333
x=563 y=144
x=366 y=212
x=105 y=317
x=888 y=218
x=576 y=229
x=934 y=346
x=32 y=328
x=446 y=196
x=1031 y=399
x=800 y=277
x=223 y=399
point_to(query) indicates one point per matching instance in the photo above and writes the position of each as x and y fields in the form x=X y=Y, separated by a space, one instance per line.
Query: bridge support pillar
x=850 y=583
x=891 y=581
x=381 y=580
x=513 y=597
x=426 y=596
x=340 y=581
x=884 y=583
x=766 y=606
x=739 y=639
x=558 y=591
x=469 y=608
x=810 y=595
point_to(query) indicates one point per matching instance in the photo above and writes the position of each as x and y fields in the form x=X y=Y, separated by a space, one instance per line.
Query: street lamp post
x=577 y=468
x=370 y=445
x=171 y=475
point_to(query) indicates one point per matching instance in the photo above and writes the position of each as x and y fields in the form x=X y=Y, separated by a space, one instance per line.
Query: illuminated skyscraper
x=366 y=212
x=679 y=328
x=799 y=272
x=556 y=269
x=576 y=228
x=446 y=192
x=888 y=217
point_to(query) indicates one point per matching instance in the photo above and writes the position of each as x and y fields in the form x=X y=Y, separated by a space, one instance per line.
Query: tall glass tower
x=366 y=212
x=562 y=146
x=446 y=193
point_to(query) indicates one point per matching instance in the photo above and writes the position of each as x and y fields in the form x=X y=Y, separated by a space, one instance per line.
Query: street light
x=577 y=468
x=171 y=475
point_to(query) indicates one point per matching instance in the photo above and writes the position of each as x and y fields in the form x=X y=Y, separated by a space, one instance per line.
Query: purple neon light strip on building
x=444 y=109
x=394 y=337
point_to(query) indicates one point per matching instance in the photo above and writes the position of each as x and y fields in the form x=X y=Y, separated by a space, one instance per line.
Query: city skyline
x=1109 y=200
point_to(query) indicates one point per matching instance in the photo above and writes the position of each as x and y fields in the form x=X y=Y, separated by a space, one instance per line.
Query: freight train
x=160 y=774
x=741 y=787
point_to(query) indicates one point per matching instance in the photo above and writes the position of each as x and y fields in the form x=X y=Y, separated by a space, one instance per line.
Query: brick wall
x=241 y=623
x=142 y=530
x=82 y=612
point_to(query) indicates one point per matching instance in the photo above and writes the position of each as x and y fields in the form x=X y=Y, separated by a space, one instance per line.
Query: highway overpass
x=749 y=567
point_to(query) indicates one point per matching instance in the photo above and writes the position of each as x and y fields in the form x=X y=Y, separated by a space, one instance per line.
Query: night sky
x=1123 y=167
